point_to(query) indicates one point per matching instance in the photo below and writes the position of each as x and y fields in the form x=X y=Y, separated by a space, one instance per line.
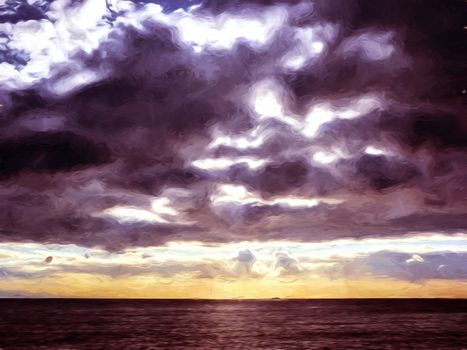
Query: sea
x=233 y=324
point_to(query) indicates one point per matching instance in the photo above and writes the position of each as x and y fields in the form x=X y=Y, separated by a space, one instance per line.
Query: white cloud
x=266 y=100
x=248 y=140
x=376 y=151
x=48 y=44
x=162 y=210
x=223 y=31
x=225 y=163
x=132 y=214
x=240 y=195
x=324 y=112
x=307 y=46
x=324 y=157
x=162 y=206
x=318 y=115
x=230 y=193
x=415 y=259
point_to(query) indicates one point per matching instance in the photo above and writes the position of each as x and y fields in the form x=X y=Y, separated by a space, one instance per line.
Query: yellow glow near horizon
x=146 y=286
x=423 y=265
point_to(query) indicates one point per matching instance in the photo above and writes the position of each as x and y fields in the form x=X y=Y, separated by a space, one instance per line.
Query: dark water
x=273 y=324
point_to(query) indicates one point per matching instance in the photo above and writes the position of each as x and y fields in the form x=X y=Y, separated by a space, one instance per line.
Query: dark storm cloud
x=382 y=172
x=52 y=152
x=119 y=125
x=14 y=11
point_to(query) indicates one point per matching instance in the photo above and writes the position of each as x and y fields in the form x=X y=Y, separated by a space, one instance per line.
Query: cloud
x=49 y=152
x=416 y=259
x=121 y=127
x=16 y=11
x=402 y=266
x=244 y=262
x=286 y=265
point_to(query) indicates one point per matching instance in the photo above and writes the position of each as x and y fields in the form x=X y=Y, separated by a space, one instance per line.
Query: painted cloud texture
x=132 y=124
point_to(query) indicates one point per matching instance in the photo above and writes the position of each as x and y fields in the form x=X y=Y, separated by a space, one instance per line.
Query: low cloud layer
x=135 y=124
x=415 y=260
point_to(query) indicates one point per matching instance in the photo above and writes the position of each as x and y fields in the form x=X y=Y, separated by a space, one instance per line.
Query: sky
x=234 y=149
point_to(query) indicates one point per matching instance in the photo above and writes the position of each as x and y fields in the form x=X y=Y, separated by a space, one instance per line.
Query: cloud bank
x=129 y=124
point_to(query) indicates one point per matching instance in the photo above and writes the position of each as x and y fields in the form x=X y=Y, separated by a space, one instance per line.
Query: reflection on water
x=268 y=324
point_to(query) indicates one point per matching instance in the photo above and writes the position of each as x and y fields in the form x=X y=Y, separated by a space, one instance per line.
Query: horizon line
x=230 y=299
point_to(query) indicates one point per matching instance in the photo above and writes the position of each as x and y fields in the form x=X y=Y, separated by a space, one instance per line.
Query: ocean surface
x=241 y=324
